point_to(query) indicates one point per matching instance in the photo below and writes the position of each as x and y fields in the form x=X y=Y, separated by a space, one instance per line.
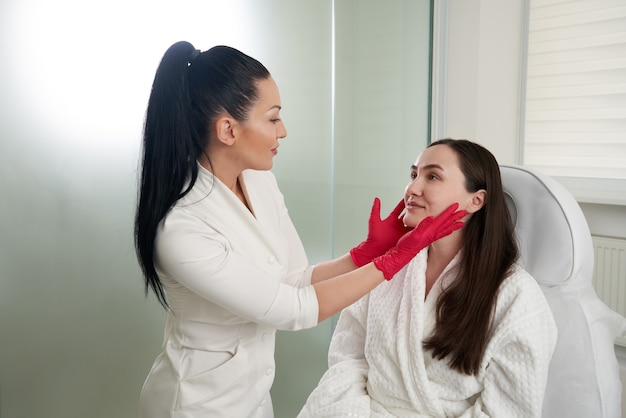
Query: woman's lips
x=413 y=205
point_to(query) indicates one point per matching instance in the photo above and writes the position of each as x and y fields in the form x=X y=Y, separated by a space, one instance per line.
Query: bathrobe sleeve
x=342 y=389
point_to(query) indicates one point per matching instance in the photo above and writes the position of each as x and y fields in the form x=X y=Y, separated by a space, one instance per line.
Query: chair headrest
x=555 y=242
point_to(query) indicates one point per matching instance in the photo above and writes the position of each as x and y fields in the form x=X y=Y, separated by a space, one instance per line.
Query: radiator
x=609 y=273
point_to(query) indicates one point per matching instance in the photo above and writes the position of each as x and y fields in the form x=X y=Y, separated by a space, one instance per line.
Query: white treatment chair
x=557 y=250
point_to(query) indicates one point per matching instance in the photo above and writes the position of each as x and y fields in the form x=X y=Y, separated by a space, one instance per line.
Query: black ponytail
x=189 y=91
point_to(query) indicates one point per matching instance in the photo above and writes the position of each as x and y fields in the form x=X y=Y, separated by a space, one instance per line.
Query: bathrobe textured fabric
x=378 y=368
x=232 y=278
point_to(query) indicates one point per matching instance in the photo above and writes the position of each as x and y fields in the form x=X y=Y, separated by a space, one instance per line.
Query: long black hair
x=190 y=89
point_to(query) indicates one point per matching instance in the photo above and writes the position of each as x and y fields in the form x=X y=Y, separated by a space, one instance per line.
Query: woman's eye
x=413 y=175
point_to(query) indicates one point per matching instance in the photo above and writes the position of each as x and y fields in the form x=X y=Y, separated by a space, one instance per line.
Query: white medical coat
x=378 y=367
x=232 y=278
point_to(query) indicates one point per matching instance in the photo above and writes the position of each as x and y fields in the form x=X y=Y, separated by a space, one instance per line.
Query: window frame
x=610 y=191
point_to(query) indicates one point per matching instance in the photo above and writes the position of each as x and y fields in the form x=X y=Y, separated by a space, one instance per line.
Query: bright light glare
x=82 y=71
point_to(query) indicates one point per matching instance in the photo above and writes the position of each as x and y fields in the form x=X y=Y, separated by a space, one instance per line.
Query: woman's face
x=436 y=182
x=259 y=134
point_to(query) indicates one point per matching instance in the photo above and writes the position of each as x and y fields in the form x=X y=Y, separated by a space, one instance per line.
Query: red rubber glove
x=411 y=243
x=381 y=234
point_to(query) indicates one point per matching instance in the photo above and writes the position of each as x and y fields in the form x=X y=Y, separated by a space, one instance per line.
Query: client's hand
x=411 y=243
x=381 y=234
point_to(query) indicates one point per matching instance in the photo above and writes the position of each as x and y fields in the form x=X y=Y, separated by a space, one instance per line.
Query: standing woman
x=217 y=246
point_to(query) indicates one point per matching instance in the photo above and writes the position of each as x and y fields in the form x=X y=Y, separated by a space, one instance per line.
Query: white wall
x=481 y=100
x=483 y=74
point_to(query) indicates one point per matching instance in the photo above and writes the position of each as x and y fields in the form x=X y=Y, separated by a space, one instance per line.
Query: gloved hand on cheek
x=411 y=243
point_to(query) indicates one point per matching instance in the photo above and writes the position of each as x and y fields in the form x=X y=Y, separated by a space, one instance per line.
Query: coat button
x=271 y=261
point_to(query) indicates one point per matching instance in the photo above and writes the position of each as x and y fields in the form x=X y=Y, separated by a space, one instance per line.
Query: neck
x=444 y=249
x=223 y=169
x=440 y=254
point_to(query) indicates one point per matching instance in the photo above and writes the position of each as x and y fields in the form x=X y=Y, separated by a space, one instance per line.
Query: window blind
x=575 y=97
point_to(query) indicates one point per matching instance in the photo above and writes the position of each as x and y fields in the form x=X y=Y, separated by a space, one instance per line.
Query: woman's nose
x=414 y=187
x=281 y=131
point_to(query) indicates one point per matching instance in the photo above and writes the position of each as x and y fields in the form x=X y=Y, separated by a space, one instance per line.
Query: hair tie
x=193 y=56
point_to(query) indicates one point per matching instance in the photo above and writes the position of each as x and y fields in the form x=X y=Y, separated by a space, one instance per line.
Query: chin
x=411 y=221
x=264 y=167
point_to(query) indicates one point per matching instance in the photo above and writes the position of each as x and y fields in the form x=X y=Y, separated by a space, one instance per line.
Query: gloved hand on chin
x=381 y=234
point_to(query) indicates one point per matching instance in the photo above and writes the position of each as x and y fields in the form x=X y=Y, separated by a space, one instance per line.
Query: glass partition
x=77 y=334
x=379 y=109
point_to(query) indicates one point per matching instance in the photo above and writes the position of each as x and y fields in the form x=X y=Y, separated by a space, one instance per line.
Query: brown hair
x=465 y=308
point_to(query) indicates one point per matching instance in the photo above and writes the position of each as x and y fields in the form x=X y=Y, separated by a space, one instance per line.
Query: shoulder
x=520 y=298
x=520 y=283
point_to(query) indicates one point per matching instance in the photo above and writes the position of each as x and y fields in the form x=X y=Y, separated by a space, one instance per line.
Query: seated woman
x=462 y=330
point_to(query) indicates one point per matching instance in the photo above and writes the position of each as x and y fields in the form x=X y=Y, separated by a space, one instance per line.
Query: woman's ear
x=224 y=130
x=477 y=202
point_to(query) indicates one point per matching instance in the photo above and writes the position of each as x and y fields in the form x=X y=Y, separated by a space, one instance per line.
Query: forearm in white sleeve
x=203 y=263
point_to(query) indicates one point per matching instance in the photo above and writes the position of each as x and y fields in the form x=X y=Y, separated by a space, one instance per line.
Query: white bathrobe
x=378 y=368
